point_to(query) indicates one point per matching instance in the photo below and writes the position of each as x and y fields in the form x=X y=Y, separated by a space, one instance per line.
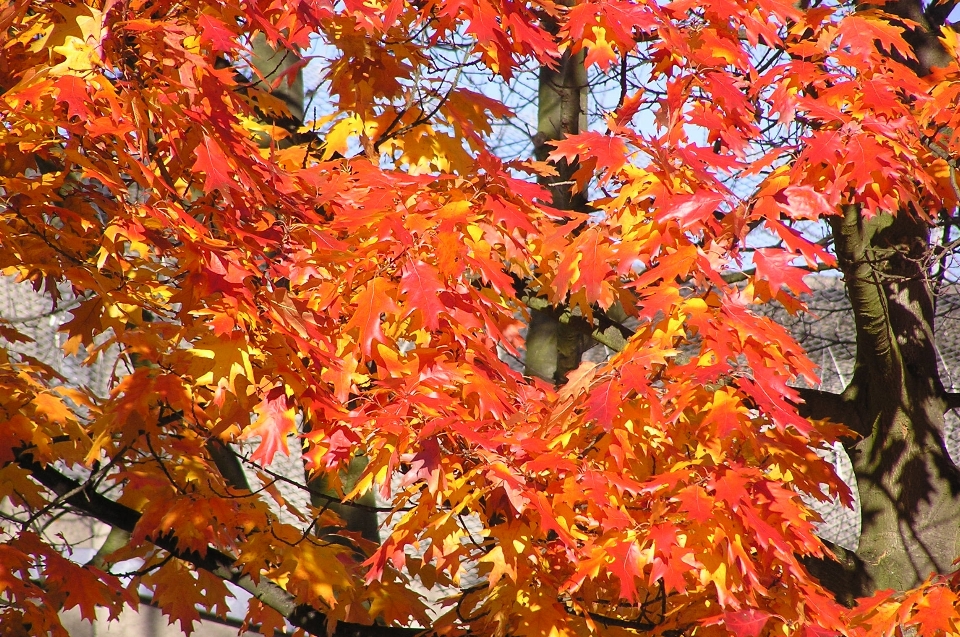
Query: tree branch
x=214 y=561
x=952 y=400
x=823 y=405
x=608 y=331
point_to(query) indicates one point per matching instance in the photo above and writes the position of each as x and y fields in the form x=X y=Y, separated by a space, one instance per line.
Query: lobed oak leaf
x=669 y=266
x=691 y=209
x=795 y=242
x=507 y=214
x=80 y=57
x=84 y=325
x=748 y=622
x=580 y=17
x=725 y=411
x=695 y=503
x=604 y=402
x=421 y=286
x=215 y=32
x=936 y=611
x=178 y=602
x=498 y=567
x=72 y=90
x=371 y=302
x=337 y=141
x=609 y=151
x=276 y=419
x=863 y=31
x=595 y=265
x=731 y=486
x=803 y=202
x=670 y=563
x=600 y=51
x=774 y=265
x=212 y=161
x=52 y=408
x=84 y=587
x=15 y=484
x=627 y=566
x=88 y=591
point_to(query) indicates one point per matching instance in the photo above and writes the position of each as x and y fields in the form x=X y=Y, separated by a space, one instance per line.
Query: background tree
x=359 y=276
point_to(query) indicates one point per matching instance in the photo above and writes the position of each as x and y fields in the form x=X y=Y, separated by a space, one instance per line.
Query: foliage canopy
x=357 y=285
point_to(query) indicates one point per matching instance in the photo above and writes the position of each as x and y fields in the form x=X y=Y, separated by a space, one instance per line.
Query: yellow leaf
x=338 y=139
x=221 y=358
x=498 y=566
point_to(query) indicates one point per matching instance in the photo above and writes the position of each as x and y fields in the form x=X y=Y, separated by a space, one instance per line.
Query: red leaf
x=669 y=266
x=774 y=266
x=371 y=302
x=626 y=566
x=604 y=402
x=696 y=503
x=692 y=209
x=726 y=412
x=276 y=421
x=595 y=266
x=803 y=202
x=73 y=90
x=609 y=151
x=731 y=487
x=212 y=161
x=215 y=33
x=745 y=623
x=936 y=612
x=863 y=31
x=421 y=286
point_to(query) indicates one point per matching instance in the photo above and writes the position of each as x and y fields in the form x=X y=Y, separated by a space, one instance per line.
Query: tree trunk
x=909 y=487
x=271 y=65
x=556 y=340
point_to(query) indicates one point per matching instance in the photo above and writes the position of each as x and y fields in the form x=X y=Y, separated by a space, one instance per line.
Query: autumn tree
x=909 y=487
x=347 y=284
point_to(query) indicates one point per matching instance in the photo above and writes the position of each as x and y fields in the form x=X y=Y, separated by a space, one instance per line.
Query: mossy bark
x=909 y=487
